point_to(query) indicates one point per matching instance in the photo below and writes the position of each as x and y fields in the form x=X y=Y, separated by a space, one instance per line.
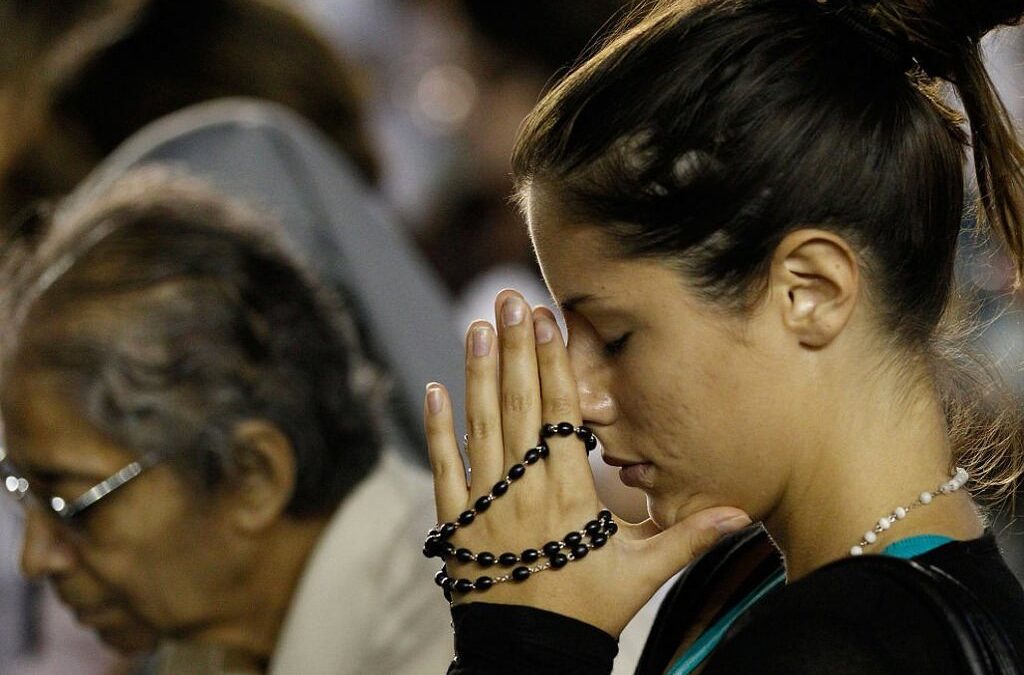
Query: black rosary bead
x=516 y=472
x=531 y=456
x=543 y=450
x=483 y=503
x=565 y=429
x=432 y=547
x=588 y=438
x=599 y=531
x=500 y=488
x=551 y=548
x=467 y=517
x=549 y=430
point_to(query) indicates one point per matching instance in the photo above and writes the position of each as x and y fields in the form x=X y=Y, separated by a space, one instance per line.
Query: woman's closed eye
x=616 y=346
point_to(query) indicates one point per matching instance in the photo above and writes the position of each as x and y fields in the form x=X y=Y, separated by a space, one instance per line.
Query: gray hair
x=176 y=314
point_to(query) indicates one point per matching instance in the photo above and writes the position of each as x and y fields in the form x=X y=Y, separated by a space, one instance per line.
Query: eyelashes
x=616 y=346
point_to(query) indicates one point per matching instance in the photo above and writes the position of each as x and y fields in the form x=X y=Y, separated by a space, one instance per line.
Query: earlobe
x=263 y=475
x=817 y=277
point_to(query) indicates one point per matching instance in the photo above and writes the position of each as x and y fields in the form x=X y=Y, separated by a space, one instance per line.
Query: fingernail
x=732 y=523
x=435 y=399
x=481 y=341
x=544 y=329
x=512 y=311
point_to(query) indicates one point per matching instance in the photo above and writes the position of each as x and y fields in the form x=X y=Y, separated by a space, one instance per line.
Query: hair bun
x=957 y=21
x=973 y=18
x=939 y=32
x=981 y=16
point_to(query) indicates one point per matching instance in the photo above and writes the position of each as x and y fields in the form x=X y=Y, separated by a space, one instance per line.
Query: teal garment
x=911 y=547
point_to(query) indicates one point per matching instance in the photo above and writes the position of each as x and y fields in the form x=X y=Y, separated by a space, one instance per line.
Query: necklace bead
x=958 y=480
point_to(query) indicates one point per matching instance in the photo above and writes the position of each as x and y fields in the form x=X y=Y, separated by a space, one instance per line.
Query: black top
x=852 y=621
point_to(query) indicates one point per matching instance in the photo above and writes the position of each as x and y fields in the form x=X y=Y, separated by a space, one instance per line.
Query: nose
x=44 y=551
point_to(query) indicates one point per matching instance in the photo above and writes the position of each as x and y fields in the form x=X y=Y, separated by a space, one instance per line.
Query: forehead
x=579 y=258
x=45 y=434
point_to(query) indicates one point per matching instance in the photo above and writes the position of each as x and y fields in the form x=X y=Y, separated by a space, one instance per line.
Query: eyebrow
x=50 y=476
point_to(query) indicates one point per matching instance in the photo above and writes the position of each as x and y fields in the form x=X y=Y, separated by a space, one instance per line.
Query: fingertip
x=436 y=396
x=727 y=523
x=541 y=310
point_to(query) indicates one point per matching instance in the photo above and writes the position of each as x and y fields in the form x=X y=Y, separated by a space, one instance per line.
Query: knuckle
x=517 y=402
x=559 y=405
x=480 y=429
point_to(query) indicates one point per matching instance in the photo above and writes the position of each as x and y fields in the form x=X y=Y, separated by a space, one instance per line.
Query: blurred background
x=424 y=96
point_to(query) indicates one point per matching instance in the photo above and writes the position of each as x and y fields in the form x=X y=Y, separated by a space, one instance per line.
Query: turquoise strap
x=710 y=638
x=911 y=547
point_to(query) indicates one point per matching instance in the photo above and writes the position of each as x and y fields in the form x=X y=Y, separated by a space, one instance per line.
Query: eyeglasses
x=15 y=484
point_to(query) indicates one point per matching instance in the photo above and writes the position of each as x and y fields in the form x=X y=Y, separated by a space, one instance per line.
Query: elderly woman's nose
x=44 y=552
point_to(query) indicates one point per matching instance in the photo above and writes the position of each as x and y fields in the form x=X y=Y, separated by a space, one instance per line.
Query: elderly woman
x=192 y=424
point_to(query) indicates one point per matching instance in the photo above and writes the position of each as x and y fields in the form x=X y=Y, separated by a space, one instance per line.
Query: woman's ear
x=815 y=281
x=262 y=477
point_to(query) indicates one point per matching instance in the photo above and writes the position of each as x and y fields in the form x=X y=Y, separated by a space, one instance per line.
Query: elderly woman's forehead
x=45 y=435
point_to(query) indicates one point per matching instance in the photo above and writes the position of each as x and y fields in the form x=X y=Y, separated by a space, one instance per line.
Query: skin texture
x=795 y=412
x=157 y=558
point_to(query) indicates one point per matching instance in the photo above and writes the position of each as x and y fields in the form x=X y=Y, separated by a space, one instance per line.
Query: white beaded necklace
x=900 y=512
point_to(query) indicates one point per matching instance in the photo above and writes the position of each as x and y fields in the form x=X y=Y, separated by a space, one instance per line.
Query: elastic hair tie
x=885 y=44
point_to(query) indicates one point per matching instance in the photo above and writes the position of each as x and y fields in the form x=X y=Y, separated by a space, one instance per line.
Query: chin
x=662 y=514
x=127 y=641
x=666 y=511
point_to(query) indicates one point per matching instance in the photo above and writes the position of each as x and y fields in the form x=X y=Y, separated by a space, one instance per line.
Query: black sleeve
x=515 y=640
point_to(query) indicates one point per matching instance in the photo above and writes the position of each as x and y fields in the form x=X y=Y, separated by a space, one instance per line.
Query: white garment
x=366 y=603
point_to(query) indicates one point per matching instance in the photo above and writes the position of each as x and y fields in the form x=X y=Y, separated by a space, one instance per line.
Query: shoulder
x=865 y=615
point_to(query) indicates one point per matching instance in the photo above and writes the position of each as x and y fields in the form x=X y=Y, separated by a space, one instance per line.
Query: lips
x=631 y=472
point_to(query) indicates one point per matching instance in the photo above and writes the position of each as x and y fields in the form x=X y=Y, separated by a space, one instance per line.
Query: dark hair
x=173 y=315
x=112 y=70
x=705 y=132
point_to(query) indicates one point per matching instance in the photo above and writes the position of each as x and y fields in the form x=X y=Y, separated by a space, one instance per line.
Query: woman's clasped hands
x=518 y=379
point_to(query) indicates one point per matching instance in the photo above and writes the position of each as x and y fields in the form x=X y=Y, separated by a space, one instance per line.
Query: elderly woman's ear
x=262 y=476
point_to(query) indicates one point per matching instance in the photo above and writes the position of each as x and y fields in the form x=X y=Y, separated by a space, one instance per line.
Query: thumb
x=676 y=547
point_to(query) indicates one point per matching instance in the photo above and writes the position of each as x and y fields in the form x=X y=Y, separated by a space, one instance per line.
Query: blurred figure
x=78 y=80
x=192 y=421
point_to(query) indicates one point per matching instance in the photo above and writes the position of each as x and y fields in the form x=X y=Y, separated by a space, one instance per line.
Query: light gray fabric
x=14 y=591
x=267 y=156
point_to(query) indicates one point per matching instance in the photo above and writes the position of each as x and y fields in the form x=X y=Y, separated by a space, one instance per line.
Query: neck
x=873 y=458
x=262 y=596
